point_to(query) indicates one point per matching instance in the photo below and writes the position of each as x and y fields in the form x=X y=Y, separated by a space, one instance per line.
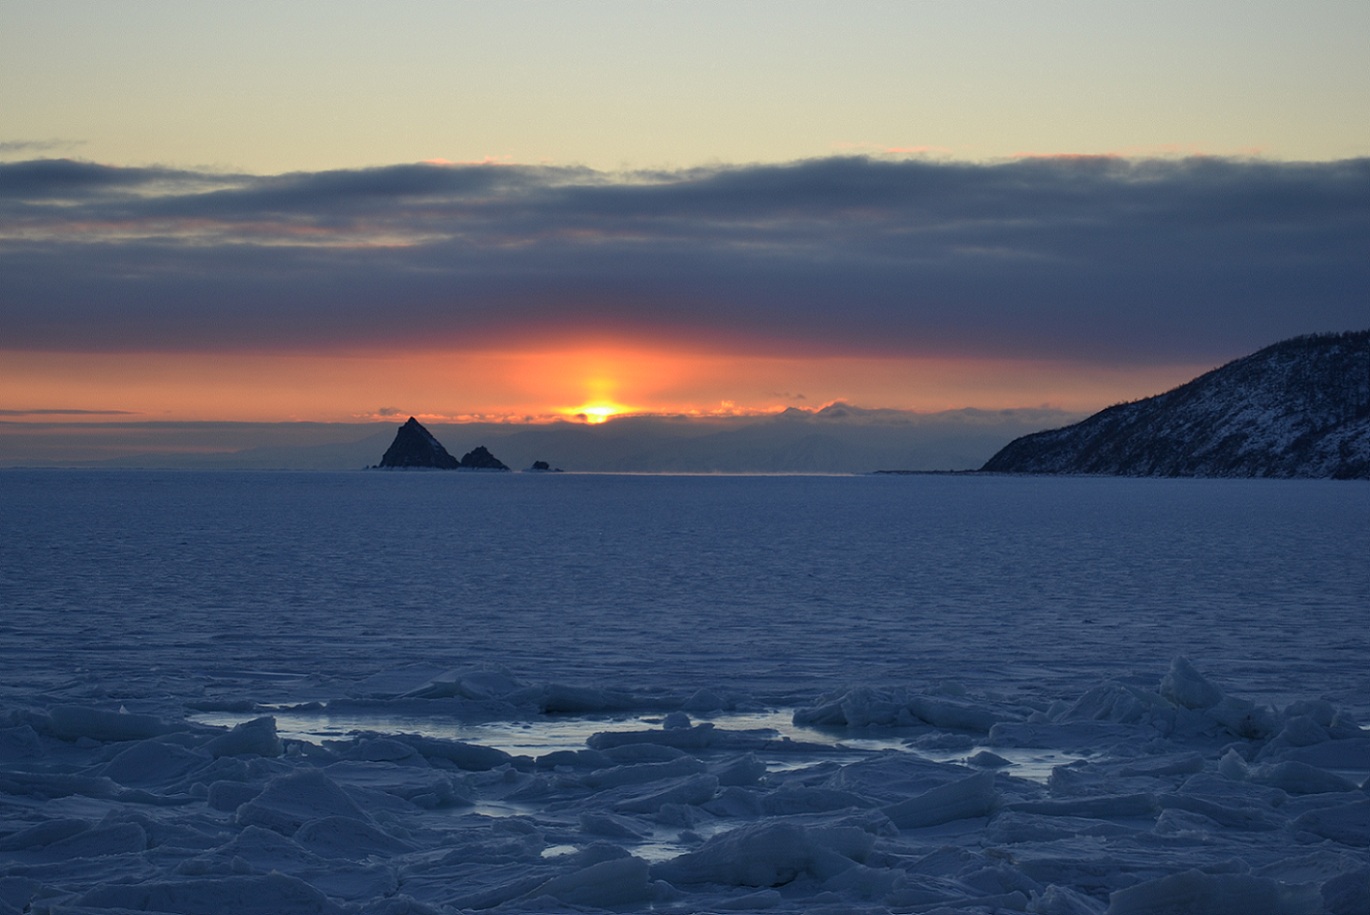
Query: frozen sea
x=449 y=692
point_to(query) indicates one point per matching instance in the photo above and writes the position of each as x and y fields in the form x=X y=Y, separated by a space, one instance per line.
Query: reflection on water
x=538 y=737
x=533 y=738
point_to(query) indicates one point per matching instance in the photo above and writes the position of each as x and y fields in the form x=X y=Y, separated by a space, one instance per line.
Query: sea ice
x=1172 y=812
x=226 y=695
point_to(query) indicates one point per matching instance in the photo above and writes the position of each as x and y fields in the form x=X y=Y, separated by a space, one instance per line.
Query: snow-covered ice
x=380 y=693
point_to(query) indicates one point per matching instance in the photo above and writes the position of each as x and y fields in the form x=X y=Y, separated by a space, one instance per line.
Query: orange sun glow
x=591 y=385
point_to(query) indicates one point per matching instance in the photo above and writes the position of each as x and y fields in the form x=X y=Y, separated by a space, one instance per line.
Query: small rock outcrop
x=480 y=458
x=1300 y=408
x=415 y=446
x=543 y=467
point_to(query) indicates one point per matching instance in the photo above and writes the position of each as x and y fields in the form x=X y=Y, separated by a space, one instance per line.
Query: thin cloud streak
x=1100 y=258
x=34 y=147
x=66 y=412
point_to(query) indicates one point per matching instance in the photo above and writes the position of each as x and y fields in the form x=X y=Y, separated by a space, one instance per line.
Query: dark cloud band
x=1116 y=259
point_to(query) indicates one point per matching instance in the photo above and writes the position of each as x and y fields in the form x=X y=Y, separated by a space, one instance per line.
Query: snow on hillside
x=1300 y=408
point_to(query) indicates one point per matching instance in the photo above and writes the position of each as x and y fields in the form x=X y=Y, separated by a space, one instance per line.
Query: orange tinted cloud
x=1153 y=151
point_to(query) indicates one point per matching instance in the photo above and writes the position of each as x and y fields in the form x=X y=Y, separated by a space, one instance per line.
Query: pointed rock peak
x=480 y=458
x=415 y=446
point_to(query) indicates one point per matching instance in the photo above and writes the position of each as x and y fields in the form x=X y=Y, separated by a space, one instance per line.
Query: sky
x=342 y=212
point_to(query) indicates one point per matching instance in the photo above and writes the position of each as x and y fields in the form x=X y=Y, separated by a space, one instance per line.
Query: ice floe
x=1175 y=799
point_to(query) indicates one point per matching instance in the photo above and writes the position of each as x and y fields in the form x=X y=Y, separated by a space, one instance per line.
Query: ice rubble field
x=390 y=693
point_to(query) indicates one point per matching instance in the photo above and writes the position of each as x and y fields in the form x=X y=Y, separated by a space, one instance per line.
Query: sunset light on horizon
x=951 y=208
x=541 y=387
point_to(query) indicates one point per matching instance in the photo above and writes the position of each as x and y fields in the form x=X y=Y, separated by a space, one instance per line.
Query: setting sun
x=598 y=412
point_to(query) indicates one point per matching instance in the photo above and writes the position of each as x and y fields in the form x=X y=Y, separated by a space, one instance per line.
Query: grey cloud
x=1116 y=259
x=40 y=181
x=32 y=147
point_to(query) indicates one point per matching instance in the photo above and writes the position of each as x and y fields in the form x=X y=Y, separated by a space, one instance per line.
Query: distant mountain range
x=1300 y=408
x=838 y=438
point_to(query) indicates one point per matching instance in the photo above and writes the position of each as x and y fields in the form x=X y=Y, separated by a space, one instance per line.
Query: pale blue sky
x=267 y=87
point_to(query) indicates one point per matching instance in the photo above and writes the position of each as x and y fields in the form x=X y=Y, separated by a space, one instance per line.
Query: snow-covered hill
x=1300 y=408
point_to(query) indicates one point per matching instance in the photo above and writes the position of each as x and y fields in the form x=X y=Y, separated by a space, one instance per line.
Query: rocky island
x=415 y=447
x=480 y=458
x=1300 y=408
